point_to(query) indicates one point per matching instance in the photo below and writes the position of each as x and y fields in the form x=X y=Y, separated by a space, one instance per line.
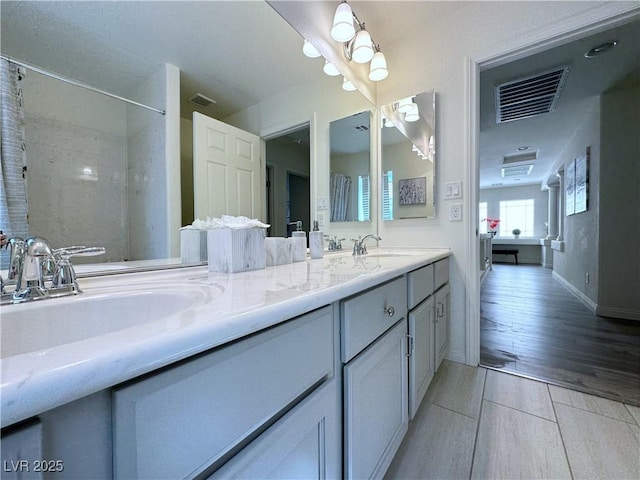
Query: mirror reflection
x=408 y=158
x=349 y=186
x=105 y=173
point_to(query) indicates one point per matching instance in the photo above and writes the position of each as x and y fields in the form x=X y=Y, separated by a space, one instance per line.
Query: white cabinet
x=421 y=358
x=441 y=323
x=304 y=444
x=191 y=418
x=376 y=405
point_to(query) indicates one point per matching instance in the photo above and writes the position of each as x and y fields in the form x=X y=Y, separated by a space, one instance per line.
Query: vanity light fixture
x=330 y=69
x=343 y=29
x=309 y=49
x=412 y=115
x=404 y=104
x=358 y=46
x=347 y=85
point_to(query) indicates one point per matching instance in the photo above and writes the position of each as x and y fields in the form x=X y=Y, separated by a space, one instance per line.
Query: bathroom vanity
x=311 y=369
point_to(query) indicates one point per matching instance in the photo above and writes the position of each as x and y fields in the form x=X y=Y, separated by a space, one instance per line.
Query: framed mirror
x=350 y=172
x=408 y=133
x=76 y=40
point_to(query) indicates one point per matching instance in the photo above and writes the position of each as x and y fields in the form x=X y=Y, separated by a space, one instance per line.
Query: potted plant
x=516 y=232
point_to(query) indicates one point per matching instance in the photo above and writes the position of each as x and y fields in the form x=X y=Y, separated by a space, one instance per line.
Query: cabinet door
x=193 y=416
x=421 y=358
x=376 y=405
x=303 y=444
x=441 y=319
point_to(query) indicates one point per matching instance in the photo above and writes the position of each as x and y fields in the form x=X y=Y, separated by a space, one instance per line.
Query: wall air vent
x=520 y=157
x=530 y=96
x=516 y=171
x=201 y=99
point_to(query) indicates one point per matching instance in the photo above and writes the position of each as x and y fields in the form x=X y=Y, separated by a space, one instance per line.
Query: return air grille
x=530 y=96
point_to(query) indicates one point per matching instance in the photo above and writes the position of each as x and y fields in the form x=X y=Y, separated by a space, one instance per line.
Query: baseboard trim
x=613 y=312
x=590 y=304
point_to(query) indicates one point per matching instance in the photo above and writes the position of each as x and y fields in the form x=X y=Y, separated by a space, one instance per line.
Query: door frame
x=274 y=131
x=579 y=26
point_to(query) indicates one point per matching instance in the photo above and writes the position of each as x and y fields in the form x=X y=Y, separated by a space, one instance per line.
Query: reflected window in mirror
x=408 y=158
x=350 y=159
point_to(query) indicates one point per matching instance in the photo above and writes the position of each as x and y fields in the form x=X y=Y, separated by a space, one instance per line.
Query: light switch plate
x=323 y=203
x=452 y=190
x=455 y=212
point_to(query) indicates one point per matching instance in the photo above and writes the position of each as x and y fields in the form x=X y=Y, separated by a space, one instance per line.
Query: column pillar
x=560 y=175
x=552 y=213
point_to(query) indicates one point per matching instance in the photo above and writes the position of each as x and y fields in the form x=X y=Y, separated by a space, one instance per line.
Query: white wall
x=493 y=196
x=76 y=144
x=319 y=102
x=404 y=164
x=438 y=55
x=580 y=255
x=154 y=168
x=619 y=225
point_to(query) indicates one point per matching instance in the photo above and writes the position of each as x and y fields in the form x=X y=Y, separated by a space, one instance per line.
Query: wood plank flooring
x=532 y=326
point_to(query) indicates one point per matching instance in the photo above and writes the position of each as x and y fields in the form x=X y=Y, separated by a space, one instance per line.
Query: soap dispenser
x=299 y=243
x=316 y=241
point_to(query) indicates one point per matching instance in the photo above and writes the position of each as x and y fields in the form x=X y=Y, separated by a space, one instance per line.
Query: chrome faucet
x=359 y=247
x=34 y=262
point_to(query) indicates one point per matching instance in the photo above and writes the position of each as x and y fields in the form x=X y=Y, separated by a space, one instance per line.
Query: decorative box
x=193 y=245
x=232 y=250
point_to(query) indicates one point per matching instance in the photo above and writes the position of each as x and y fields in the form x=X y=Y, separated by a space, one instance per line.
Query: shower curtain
x=13 y=186
x=339 y=188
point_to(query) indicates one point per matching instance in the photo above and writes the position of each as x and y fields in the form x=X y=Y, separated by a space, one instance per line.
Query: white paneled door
x=227 y=173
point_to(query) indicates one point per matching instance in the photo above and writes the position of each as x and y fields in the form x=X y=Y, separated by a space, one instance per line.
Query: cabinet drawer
x=441 y=273
x=366 y=316
x=420 y=285
x=178 y=422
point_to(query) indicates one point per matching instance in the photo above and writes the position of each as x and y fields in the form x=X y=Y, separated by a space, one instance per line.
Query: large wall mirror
x=349 y=183
x=105 y=44
x=408 y=134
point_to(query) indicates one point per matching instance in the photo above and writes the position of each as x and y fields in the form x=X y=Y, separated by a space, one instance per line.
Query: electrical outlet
x=455 y=212
x=321 y=219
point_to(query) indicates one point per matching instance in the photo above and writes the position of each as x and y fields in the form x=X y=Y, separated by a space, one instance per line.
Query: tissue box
x=193 y=245
x=232 y=250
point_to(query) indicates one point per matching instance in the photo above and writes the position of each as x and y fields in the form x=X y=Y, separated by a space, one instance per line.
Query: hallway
x=533 y=326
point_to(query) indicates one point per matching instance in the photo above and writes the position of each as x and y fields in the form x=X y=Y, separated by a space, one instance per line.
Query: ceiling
x=548 y=134
x=219 y=47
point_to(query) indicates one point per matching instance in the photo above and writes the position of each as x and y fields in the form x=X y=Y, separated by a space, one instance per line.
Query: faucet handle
x=64 y=274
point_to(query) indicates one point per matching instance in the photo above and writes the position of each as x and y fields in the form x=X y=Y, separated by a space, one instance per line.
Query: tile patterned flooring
x=485 y=424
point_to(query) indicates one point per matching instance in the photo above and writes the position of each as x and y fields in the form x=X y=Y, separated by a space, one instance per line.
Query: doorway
x=288 y=164
x=539 y=341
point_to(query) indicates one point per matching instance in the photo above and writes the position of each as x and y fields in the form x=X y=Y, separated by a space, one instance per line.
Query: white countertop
x=222 y=307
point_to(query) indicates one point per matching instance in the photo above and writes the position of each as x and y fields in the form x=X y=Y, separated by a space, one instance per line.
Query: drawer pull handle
x=389 y=311
x=440 y=311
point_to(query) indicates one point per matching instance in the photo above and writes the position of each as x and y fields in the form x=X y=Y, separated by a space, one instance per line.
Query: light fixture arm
x=348 y=46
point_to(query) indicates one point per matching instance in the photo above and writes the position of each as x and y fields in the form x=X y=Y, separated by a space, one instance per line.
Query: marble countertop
x=221 y=308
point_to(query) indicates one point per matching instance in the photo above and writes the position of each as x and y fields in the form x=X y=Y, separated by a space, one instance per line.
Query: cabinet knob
x=389 y=311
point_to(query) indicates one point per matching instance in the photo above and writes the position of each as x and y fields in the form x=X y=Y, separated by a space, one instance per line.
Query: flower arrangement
x=492 y=223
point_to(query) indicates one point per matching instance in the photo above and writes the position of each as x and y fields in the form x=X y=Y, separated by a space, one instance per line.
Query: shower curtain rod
x=78 y=84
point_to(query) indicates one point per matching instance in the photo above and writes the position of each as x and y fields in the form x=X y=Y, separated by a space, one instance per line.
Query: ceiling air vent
x=516 y=171
x=201 y=99
x=530 y=96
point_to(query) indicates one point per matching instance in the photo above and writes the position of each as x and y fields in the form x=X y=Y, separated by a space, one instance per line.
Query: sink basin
x=44 y=324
